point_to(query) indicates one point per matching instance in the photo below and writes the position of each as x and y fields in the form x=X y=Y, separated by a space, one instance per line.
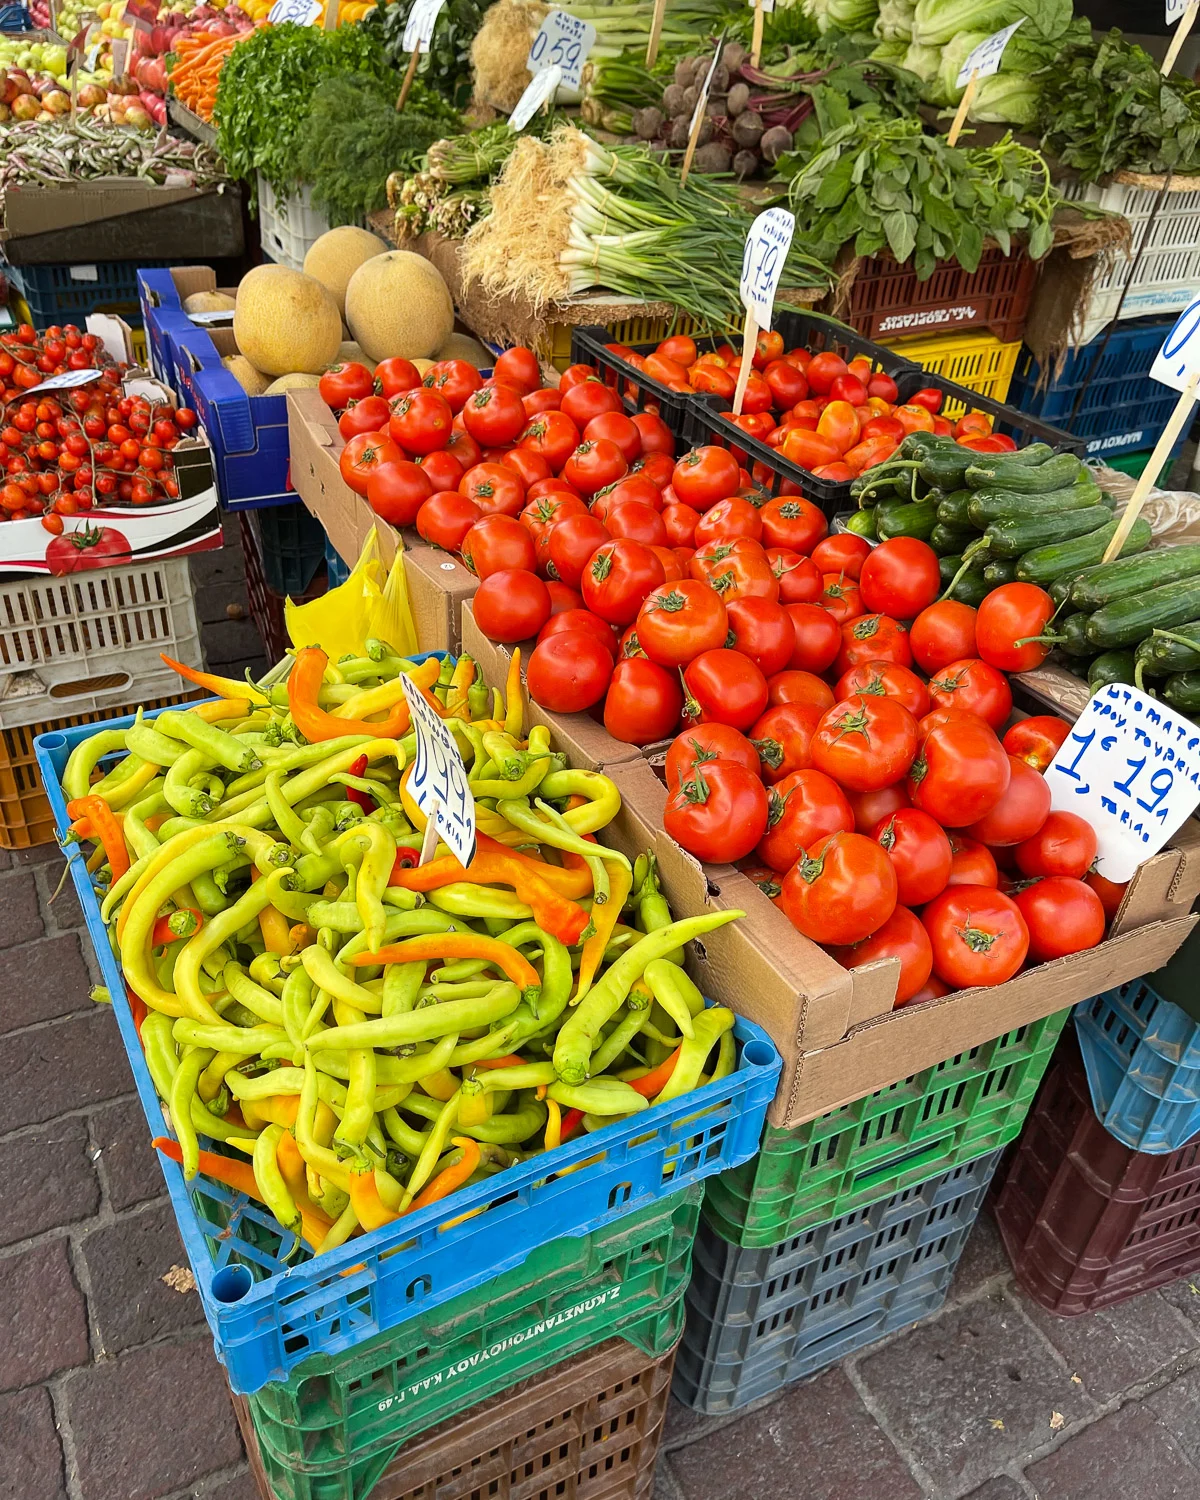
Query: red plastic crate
x=1086 y=1221
x=888 y=302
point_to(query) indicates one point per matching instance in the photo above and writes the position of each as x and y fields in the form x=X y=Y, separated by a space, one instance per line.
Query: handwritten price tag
x=418 y=33
x=984 y=60
x=565 y=40
x=439 y=779
x=67 y=381
x=1131 y=767
x=299 y=12
x=1179 y=358
x=767 y=5
x=541 y=87
x=767 y=246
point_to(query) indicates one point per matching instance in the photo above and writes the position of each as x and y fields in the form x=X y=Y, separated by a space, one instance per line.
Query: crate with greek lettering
x=339 y=1415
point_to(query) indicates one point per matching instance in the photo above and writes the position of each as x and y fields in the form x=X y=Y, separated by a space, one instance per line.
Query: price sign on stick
x=299 y=12
x=67 y=381
x=565 y=40
x=422 y=19
x=542 y=86
x=984 y=60
x=1131 y=767
x=698 y=112
x=439 y=779
x=763 y=259
x=1176 y=9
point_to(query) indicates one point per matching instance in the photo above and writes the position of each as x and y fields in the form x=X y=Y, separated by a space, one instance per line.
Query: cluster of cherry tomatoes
x=66 y=452
x=825 y=415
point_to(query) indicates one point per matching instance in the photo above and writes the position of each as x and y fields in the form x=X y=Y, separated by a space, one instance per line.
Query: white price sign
x=1179 y=358
x=565 y=40
x=210 y=319
x=439 y=779
x=300 y=12
x=418 y=33
x=984 y=60
x=767 y=6
x=702 y=101
x=1175 y=9
x=541 y=87
x=767 y=246
x=67 y=381
x=1131 y=767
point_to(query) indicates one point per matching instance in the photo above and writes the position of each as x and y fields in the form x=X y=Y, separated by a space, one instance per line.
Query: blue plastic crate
x=269 y=1312
x=15 y=18
x=1122 y=409
x=60 y=294
x=1142 y=1056
x=336 y=570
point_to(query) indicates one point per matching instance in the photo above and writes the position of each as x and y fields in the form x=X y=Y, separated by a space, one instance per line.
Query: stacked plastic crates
x=285 y=548
x=850 y=1226
x=57 y=294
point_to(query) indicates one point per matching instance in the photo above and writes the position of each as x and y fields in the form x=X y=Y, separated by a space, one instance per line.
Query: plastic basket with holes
x=91 y=642
x=289 y=227
x=759 y=1319
x=271 y=1305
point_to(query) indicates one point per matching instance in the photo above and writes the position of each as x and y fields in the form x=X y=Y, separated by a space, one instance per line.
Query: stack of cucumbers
x=1032 y=515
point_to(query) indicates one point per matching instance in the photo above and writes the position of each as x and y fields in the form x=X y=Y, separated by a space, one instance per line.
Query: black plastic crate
x=291 y=543
x=759 y=1319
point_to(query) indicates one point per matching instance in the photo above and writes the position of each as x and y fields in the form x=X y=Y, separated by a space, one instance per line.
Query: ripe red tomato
x=841 y=891
x=718 y=813
x=974 y=687
x=818 y=638
x=1063 y=916
x=594 y=464
x=421 y=421
x=763 y=631
x=572 y=542
x=681 y=522
x=804 y=808
x=368 y=415
x=630 y=487
x=1014 y=613
x=562 y=598
x=638 y=522
x=497 y=543
x=529 y=467
x=454 y=380
x=786 y=384
x=870 y=808
x=798 y=577
x=842 y=553
x=618 y=576
x=920 y=852
x=978 y=934
x=678 y=621
x=941 y=634
x=901 y=937
x=656 y=436
x=445 y=518
x=345 y=382
x=971 y=863
x=705 y=475
x=783 y=739
x=518 y=369
x=724 y=686
x=823 y=370
x=885 y=679
x=589 y=399
x=790 y=521
x=1111 y=894
x=959 y=774
x=873 y=638
x=581 y=619
x=569 y=671
x=463 y=448
x=729 y=518
x=1036 y=740
x=395 y=376
x=794 y=686
x=737 y=570
x=1020 y=812
x=643 y=702
x=708 y=742
x=494 y=416
x=865 y=743
x=362 y=456
x=900 y=578
x=495 y=489
x=840 y=596
x=511 y=605
x=542 y=515
x=396 y=491
x=617 y=428
x=1064 y=845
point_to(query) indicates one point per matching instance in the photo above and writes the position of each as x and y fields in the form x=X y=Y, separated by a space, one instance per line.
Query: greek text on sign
x=418 y=33
x=541 y=86
x=439 y=779
x=299 y=12
x=702 y=101
x=1131 y=767
x=565 y=40
x=67 y=381
x=767 y=246
x=1175 y=9
x=1179 y=358
x=984 y=60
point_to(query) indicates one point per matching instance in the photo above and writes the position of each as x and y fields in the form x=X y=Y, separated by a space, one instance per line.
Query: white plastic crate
x=288 y=226
x=1169 y=271
x=92 y=640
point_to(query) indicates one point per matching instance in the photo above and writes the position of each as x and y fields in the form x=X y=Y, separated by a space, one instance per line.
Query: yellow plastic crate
x=977 y=360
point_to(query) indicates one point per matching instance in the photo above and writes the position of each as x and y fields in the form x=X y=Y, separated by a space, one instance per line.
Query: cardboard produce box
x=438 y=583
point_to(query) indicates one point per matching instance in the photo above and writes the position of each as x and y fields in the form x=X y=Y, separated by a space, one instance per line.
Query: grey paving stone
x=1128 y=1455
x=1177 y=1407
x=43 y=980
x=232 y=640
x=128 y=1163
x=123 y=1450
x=970 y=1392
x=1116 y=1347
x=43 y=1320
x=46 y=1180
x=1000 y=1488
x=126 y=1262
x=1184 y=1294
x=31 y=1466
x=685 y=1426
x=51 y=1070
x=237 y=1487
x=20 y=918
x=819 y=1440
x=983 y=1259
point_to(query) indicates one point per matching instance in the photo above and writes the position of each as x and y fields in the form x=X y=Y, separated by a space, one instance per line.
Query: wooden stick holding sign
x=331 y=15
x=656 y=26
x=749 y=340
x=698 y=112
x=429 y=842
x=964 y=104
x=409 y=75
x=756 y=36
x=1187 y=21
x=1162 y=450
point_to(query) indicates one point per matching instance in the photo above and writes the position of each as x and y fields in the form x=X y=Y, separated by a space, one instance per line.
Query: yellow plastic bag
x=372 y=603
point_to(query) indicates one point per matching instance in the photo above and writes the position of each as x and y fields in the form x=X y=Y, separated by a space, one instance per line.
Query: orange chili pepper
x=652 y=1083
x=221 y=687
x=315 y=1222
x=105 y=827
x=165 y=933
x=238 y=1175
x=553 y=913
x=572 y=883
x=509 y=961
x=304 y=683
x=511 y=1061
x=453 y=1177
x=372 y=1212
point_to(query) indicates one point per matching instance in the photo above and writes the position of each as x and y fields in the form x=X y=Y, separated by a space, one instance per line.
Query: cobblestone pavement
x=109 y=1389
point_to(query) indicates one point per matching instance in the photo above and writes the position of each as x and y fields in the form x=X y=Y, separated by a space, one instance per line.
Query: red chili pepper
x=571 y=1122
x=360 y=799
x=407 y=858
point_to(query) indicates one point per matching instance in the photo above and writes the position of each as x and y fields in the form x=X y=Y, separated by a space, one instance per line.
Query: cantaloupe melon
x=463 y=346
x=252 y=381
x=422 y=366
x=202 y=302
x=335 y=257
x=293 y=382
x=349 y=352
x=398 y=304
x=286 y=322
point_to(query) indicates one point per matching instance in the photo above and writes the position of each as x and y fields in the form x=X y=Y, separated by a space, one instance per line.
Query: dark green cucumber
x=1066 y=560
x=1002 y=473
x=946 y=465
x=1020 y=534
x=1127 y=576
x=1127 y=621
x=862 y=523
x=944 y=539
x=1072 y=635
x=972 y=588
x=895 y=518
x=1183 y=692
x=1110 y=666
x=998 y=505
x=1000 y=570
x=948 y=567
x=1167 y=651
x=954 y=509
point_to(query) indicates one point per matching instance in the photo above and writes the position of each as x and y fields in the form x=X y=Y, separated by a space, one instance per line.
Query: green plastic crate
x=331 y=1430
x=853 y=1156
x=1134 y=463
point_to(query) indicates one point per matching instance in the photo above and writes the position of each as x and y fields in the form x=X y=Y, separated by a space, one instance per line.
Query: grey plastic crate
x=760 y=1319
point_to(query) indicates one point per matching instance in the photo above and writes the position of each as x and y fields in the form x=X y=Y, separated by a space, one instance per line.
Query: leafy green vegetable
x=446 y=67
x=937 y=21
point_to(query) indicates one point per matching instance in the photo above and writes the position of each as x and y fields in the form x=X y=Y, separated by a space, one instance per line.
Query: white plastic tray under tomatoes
x=696 y=418
x=270 y=1304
